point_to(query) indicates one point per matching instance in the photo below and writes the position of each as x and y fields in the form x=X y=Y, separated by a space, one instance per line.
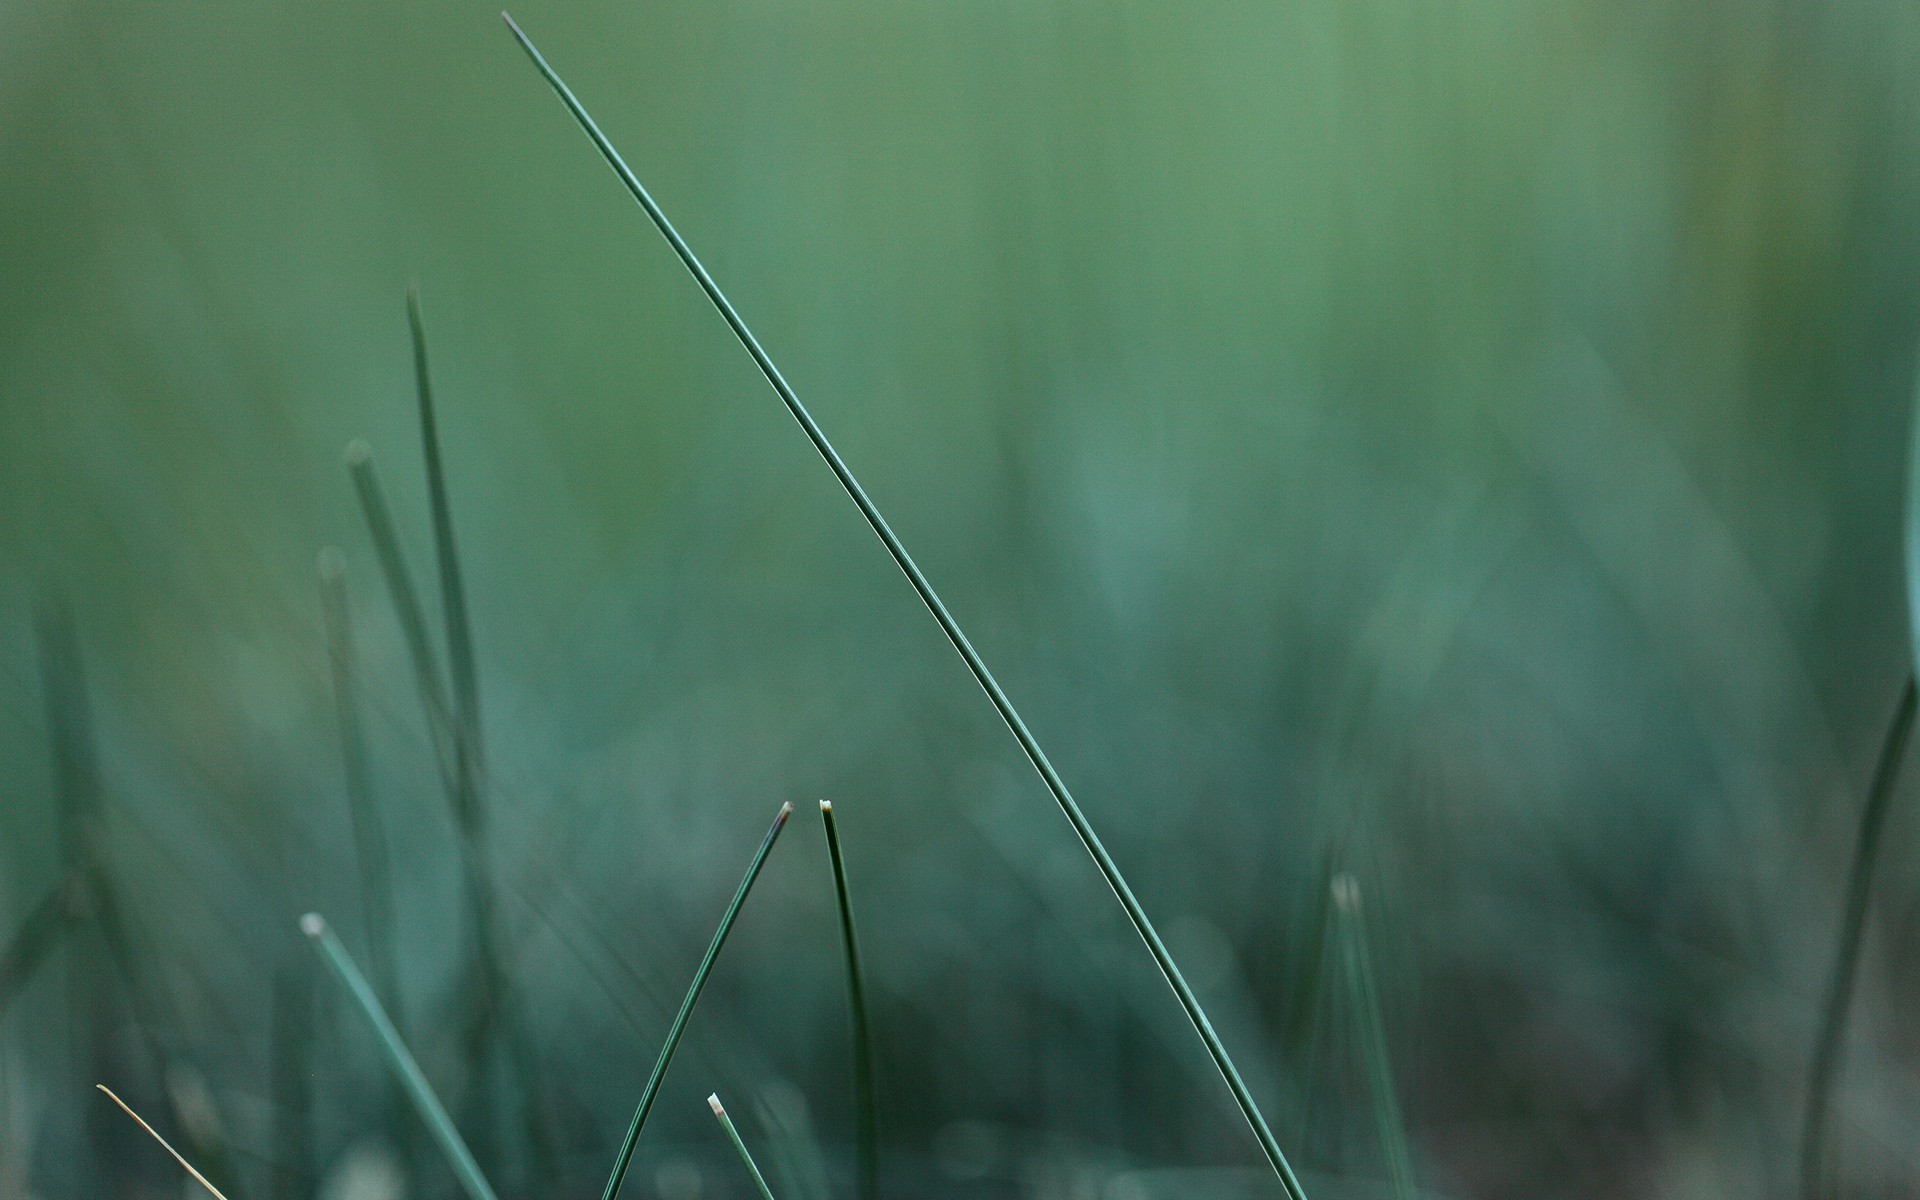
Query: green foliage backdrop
x=1458 y=444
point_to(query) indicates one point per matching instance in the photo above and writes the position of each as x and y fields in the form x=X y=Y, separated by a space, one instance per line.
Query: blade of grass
x=163 y=1142
x=406 y=600
x=39 y=932
x=468 y=749
x=679 y=1026
x=453 y=595
x=1364 y=996
x=1825 y=1068
x=369 y=837
x=740 y=1147
x=1109 y=870
x=432 y=1113
x=865 y=1106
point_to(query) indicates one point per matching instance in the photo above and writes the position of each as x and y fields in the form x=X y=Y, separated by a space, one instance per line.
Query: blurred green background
x=1457 y=443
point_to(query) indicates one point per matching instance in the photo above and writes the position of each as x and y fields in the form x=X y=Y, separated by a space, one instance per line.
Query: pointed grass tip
x=713 y=1102
x=786 y=810
x=164 y=1144
x=314 y=926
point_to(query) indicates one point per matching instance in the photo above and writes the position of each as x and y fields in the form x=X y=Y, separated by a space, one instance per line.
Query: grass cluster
x=517 y=1114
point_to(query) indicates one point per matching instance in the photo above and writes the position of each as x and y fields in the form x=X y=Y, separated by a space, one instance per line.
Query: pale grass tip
x=1346 y=892
x=313 y=925
x=713 y=1102
x=358 y=452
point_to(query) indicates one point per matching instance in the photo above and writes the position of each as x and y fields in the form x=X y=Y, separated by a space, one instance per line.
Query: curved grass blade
x=369 y=838
x=432 y=1113
x=163 y=1142
x=865 y=1106
x=1082 y=828
x=739 y=1147
x=1364 y=996
x=1825 y=1068
x=679 y=1026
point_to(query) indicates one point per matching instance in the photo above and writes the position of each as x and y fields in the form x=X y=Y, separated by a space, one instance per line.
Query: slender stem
x=406 y=601
x=975 y=664
x=1846 y=962
x=865 y=1106
x=468 y=753
x=740 y=1147
x=679 y=1026
x=164 y=1145
x=1364 y=997
x=369 y=838
x=453 y=594
x=432 y=1113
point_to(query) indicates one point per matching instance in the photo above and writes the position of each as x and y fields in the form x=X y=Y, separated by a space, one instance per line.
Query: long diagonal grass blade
x=975 y=664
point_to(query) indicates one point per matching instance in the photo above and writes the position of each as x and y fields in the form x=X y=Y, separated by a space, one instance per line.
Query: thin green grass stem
x=453 y=594
x=951 y=628
x=1825 y=1068
x=406 y=602
x=866 y=1122
x=679 y=1026
x=369 y=837
x=740 y=1147
x=432 y=1113
x=1363 y=996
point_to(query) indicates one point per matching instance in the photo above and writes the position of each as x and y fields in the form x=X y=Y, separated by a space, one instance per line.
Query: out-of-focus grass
x=1467 y=436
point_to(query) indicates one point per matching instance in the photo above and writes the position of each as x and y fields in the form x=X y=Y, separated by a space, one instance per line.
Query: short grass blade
x=865 y=1103
x=679 y=1026
x=1082 y=828
x=432 y=1113
x=740 y=1147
